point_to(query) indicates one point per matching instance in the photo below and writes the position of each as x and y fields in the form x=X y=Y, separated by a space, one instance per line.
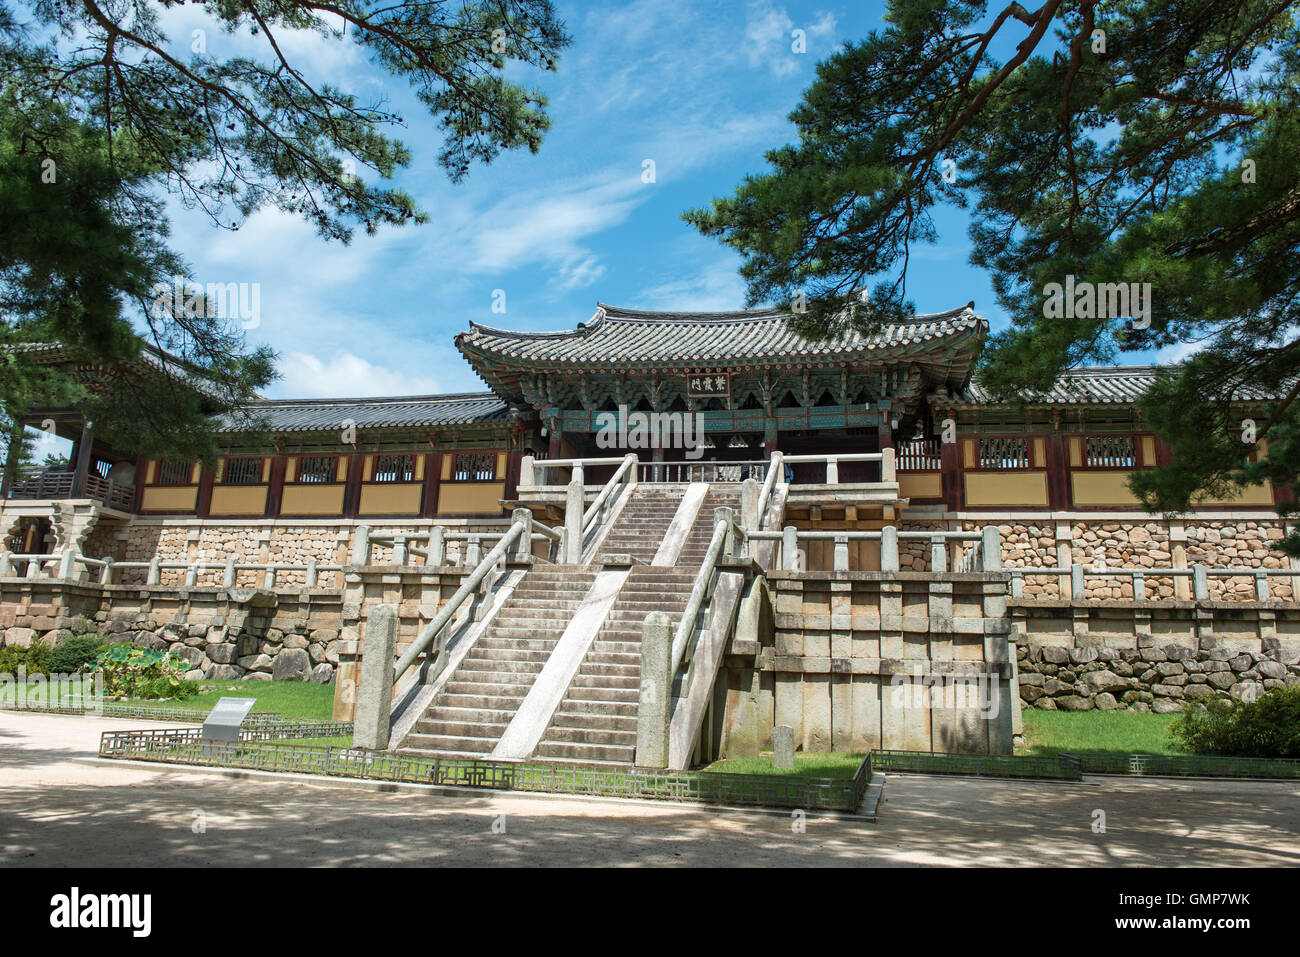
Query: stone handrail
x=986 y=557
x=724 y=531
x=769 y=483
x=1199 y=574
x=886 y=458
x=597 y=512
x=518 y=537
x=530 y=467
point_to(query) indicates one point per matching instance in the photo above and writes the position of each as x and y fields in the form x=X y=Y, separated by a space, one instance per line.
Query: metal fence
x=754 y=790
x=1186 y=765
x=262 y=724
x=1054 y=767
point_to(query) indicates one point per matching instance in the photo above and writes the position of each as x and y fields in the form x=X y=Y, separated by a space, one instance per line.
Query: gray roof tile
x=318 y=415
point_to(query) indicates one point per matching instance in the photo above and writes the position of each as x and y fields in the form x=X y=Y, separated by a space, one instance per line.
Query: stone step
x=456 y=711
x=513 y=655
x=621 y=708
x=456 y=726
x=602 y=693
x=594 y=669
x=500 y=641
x=590 y=736
x=489 y=671
x=592 y=721
x=585 y=753
x=603 y=682
x=471 y=701
x=444 y=743
x=601 y=657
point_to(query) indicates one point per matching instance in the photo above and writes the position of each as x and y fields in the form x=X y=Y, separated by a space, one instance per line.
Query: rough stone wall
x=1251 y=544
x=245 y=634
x=1122 y=545
x=1163 y=680
x=1149 y=656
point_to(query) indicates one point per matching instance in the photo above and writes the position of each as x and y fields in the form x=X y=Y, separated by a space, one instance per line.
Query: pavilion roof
x=618 y=339
x=320 y=415
x=1084 y=385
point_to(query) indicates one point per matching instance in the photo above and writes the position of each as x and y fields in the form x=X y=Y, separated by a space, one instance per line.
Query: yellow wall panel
x=1076 y=452
x=920 y=485
x=1148 y=450
x=386 y=499
x=1023 y=489
x=1254 y=495
x=238 y=500
x=169 y=499
x=312 y=500
x=1101 y=488
x=471 y=498
x=968 y=453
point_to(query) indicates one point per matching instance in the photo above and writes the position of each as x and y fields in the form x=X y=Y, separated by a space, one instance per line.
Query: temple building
x=1054 y=464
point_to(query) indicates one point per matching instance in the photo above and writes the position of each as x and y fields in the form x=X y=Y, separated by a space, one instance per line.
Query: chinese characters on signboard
x=708 y=385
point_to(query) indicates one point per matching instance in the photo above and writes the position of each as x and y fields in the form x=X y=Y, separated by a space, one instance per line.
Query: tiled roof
x=620 y=336
x=318 y=415
x=1085 y=385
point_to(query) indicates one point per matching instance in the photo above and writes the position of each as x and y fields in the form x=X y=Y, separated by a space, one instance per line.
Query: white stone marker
x=783 y=747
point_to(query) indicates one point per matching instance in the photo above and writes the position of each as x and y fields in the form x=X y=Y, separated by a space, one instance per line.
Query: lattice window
x=475 y=467
x=920 y=455
x=171 y=472
x=1109 y=452
x=1004 y=453
x=316 y=469
x=394 y=468
x=243 y=471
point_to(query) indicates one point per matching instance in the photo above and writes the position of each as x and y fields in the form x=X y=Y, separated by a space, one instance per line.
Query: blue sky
x=701 y=89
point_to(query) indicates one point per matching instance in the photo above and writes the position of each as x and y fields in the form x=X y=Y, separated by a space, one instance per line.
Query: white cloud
x=715 y=288
x=579 y=273
x=769 y=37
x=345 y=375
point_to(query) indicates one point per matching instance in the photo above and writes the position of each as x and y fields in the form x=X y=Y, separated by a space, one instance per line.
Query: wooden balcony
x=46 y=484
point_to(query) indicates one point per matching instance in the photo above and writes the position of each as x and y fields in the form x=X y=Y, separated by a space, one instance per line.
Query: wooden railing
x=45 y=484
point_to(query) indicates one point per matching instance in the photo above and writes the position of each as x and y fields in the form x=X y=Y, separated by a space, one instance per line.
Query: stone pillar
x=888 y=465
x=889 y=549
x=789 y=548
x=574 y=505
x=375 y=690
x=527 y=474
x=749 y=493
x=783 y=747
x=656 y=691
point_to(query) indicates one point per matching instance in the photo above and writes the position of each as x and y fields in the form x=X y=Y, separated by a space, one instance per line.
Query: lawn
x=834 y=764
x=293 y=699
x=1127 y=732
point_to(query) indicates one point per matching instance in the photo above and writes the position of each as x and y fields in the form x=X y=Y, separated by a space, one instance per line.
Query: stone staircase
x=472 y=711
x=596 y=719
x=641 y=525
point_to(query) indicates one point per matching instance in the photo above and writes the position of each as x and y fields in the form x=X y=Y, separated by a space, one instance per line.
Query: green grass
x=835 y=764
x=1125 y=732
x=293 y=699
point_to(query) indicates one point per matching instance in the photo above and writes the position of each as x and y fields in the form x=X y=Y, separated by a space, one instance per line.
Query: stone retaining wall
x=1152 y=656
x=226 y=634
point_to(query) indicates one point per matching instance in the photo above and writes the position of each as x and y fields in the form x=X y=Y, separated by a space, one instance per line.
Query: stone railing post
x=1200 y=583
x=309 y=581
x=192 y=575
x=1078 y=589
x=889 y=549
x=154 y=575
x=749 y=493
x=574 y=506
x=841 y=553
x=67 y=562
x=106 y=578
x=789 y=548
x=888 y=465
x=269 y=580
x=375 y=690
x=473 y=554
x=1261 y=585
x=832 y=470
x=730 y=544
x=398 y=556
x=361 y=545
x=938 y=554
x=656 y=691
x=229 y=578
x=991 y=550
x=527 y=473
x=1139 y=586
x=437 y=553
x=524 y=546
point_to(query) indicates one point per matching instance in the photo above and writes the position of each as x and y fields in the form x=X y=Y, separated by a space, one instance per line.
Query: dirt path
x=61 y=806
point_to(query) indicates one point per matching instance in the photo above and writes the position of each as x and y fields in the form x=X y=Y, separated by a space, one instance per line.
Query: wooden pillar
x=276 y=491
x=203 y=504
x=83 y=460
x=1058 y=473
x=432 y=478
x=12 y=458
x=950 y=477
x=352 y=494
